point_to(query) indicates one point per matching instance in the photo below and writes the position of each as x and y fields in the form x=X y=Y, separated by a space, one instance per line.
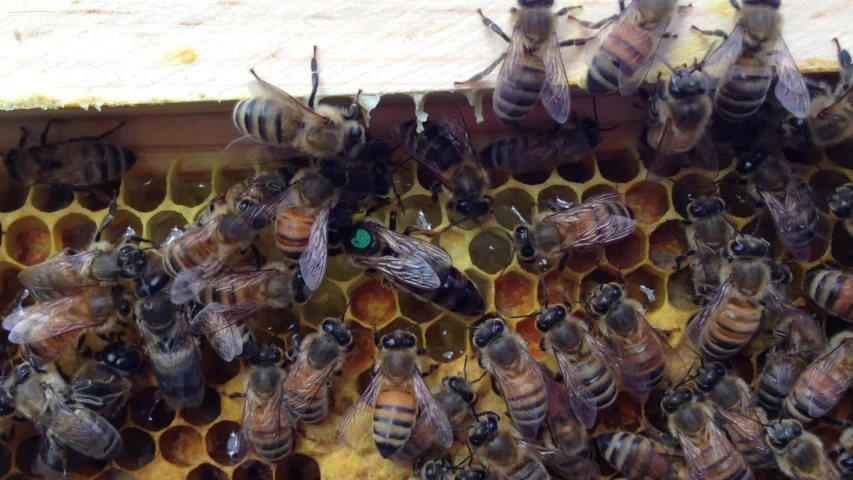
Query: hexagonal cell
x=144 y=191
x=98 y=197
x=420 y=212
x=642 y=284
x=497 y=179
x=114 y=474
x=445 y=339
x=484 y=284
x=206 y=471
x=5 y=460
x=25 y=453
x=627 y=252
x=560 y=286
x=182 y=446
x=13 y=194
x=533 y=178
x=299 y=466
x=583 y=261
x=513 y=295
x=738 y=201
x=666 y=243
x=558 y=195
x=326 y=301
x=273 y=321
x=842 y=245
x=401 y=323
x=138 y=449
x=679 y=290
x=425 y=177
x=50 y=198
x=340 y=268
x=404 y=179
x=841 y=154
x=594 y=279
x=123 y=220
x=28 y=241
x=824 y=183
x=216 y=370
x=361 y=356
x=490 y=250
x=74 y=231
x=596 y=190
x=578 y=172
x=762 y=227
x=648 y=200
x=223 y=443
x=207 y=412
x=191 y=180
x=513 y=207
x=416 y=309
x=372 y=304
x=162 y=224
x=149 y=411
x=689 y=186
x=527 y=329
x=253 y=470
x=618 y=166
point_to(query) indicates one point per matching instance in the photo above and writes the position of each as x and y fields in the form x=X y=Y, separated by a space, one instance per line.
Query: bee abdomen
x=530 y=405
x=743 y=95
x=292 y=232
x=516 y=94
x=318 y=407
x=598 y=380
x=273 y=444
x=769 y=393
x=261 y=119
x=103 y=162
x=633 y=455
x=393 y=418
x=730 y=331
x=457 y=294
x=529 y=469
x=825 y=288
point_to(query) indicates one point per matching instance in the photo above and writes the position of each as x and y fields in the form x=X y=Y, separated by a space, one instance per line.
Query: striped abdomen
x=95 y=163
x=627 y=47
x=433 y=146
x=418 y=443
x=293 y=230
x=731 y=329
x=751 y=444
x=831 y=290
x=517 y=92
x=197 y=247
x=528 y=469
x=178 y=372
x=727 y=464
x=393 y=418
x=744 y=93
x=318 y=406
x=247 y=338
x=635 y=456
x=768 y=391
x=272 y=441
x=266 y=120
x=823 y=390
x=457 y=293
x=508 y=154
x=528 y=402
x=644 y=354
x=234 y=288
x=597 y=379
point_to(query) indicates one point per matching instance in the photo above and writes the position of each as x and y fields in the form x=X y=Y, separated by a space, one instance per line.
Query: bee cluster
x=199 y=299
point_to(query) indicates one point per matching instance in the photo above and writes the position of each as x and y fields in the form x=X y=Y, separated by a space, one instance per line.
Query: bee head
x=335 y=172
x=399 y=339
x=132 y=261
x=675 y=399
x=124 y=359
x=749 y=246
x=474 y=208
x=549 y=317
x=685 y=83
x=708 y=376
x=535 y=3
x=523 y=242
x=784 y=432
x=591 y=131
x=602 y=298
x=150 y=283
x=774 y=4
x=488 y=332
x=703 y=206
x=268 y=354
x=338 y=330
x=301 y=291
x=841 y=201
x=461 y=387
x=749 y=161
x=845 y=463
x=484 y=428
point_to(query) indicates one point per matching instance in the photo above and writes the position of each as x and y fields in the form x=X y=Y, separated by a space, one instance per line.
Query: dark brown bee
x=829 y=290
x=708 y=233
x=103 y=385
x=77 y=163
x=800 y=454
x=638 y=457
x=824 y=383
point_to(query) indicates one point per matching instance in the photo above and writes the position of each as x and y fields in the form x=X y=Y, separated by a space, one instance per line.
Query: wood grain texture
x=59 y=53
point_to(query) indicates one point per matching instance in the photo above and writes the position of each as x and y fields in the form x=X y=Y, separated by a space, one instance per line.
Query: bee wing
x=356 y=423
x=627 y=373
x=411 y=271
x=788 y=370
x=790 y=87
x=615 y=228
x=216 y=316
x=313 y=261
x=47 y=320
x=562 y=464
x=226 y=342
x=581 y=400
x=721 y=298
x=261 y=88
x=80 y=429
x=820 y=379
x=510 y=390
x=717 y=67
x=457 y=133
x=439 y=259
x=706 y=153
x=302 y=384
x=555 y=95
x=264 y=415
x=256 y=218
x=693 y=455
x=787 y=216
x=593 y=47
x=629 y=78
x=60 y=272
x=432 y=412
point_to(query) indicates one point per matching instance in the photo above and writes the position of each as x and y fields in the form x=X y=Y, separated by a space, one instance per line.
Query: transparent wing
x=820 y=376
x=718 y=445
x=513 y=62
x=405 y=245
x=226 y=342
x=593 y=46
x=600 y=232
x=630 y=79
x=264 y=415
x=791 y=88
x=303 y=383
x=356 y=423
x=562 y=464
x=81 y=429
x=555 y=95
x=60 y=272
x=788 y=370
x=411 y=271
x=432 y=412
x=256 y=218
x=709 y=311
x=718 y=66
x=216 y=316
x=626 y=372
x=313 y=261
x=581 y=400
x=788 y=217
x=511 y=390
x=49 y=319
x=261 y=88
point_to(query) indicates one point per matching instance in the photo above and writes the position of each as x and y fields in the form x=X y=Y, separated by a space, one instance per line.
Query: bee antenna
x=479 y=378
x=595 y=108
x=545 y=282
x=822 y=113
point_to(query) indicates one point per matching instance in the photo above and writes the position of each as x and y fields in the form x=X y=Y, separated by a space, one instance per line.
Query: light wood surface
x=95 y=53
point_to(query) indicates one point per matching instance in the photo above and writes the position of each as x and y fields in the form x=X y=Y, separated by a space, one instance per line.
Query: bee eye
x=499 y=327
x=124 y=308
x=125 y=251
x=244 y=205
x=327 y=326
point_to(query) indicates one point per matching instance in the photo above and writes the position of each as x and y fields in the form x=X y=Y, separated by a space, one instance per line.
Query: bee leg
x=24 y=135
x=575 y=42
x=483 y=74
x=237 y=395
x=563 y=261
x=257 y=254
x=683 y=257
x=82 y=349
x=94 y=139
x=714 y=33
x=432 y=368
x=107 y=220
x=493 y=26
x=315 y=79
x=47 y=129
x=596 y=25
x=65 y=377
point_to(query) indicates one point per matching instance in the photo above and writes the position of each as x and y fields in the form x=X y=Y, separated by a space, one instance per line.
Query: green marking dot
x=361 y=239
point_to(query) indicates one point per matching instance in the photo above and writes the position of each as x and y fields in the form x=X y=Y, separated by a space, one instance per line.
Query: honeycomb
x=177 y=175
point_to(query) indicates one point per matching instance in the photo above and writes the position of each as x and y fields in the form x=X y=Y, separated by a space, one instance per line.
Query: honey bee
x=598 y=221
x=800 y=454
x=566 y=145
x=824 y=383
x=678 y=117
x=729 y=398
x=274 y=118
x=708 y=233
x=370 y=173
x=439 y=469
x=638 y=457
x=267 y=424
x=399 y=403
x=256 y=189
x=52 y=460
x=315 y=359
x=414 y=266
x=612 y=65
x=841 y=453
x=591 y=370
x=172 y=352
x=742 y=68
x=77 y=163
x=457 y=398
x=731 y=318
x=40 y=396
x=532 y=65
x=799 y=338
x=504 y=456
x=103 y=385
x=707 y=451
x=48 y=328
x=829 y=290
x=636 y=342
x=103 y=264
x=841 y=205
x=232 y=297
x=444 y=150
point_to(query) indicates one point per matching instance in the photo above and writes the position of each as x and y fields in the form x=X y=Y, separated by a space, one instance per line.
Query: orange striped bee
x=824 y=383
x=831 y=290
x=404 y=413
x=266 y=424
x=642 y=458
